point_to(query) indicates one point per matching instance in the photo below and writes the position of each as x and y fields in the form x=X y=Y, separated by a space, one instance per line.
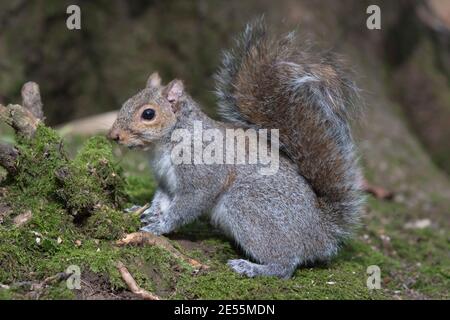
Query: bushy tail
x=274 y=83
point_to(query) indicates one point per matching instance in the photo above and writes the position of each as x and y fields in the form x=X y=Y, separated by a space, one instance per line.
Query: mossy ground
x=414 y=264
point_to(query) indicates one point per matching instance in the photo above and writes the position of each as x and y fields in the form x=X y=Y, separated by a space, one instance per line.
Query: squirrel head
x=149 y=115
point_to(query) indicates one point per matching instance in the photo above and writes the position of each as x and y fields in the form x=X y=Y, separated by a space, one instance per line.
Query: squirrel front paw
x=153 y=220
x=155 y=227
x=150 y=215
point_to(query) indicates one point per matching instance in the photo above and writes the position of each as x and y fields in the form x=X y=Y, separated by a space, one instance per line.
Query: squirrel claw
x=150 y=215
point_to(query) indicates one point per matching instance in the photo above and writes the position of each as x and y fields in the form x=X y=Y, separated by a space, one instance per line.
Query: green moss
x=140 y=189
x=345 y=278
x=431 y=272
x=110 y=224
x=52 y=241
x=6 y=294
x=92 y=179
x=59 y=292
x=55 y=188
x=39 y=158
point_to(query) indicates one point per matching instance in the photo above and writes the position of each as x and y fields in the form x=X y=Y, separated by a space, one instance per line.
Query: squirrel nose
x=114 y=135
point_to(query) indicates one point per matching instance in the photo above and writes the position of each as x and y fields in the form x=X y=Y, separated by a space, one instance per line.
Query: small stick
x=133 y=286
x=38 y=287
x=146 y=238
x=140 y=211
x=31 y=99
x=57 y=278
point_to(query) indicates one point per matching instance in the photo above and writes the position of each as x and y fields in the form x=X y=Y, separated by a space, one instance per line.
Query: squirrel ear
x=154 y=80
x=173 y=91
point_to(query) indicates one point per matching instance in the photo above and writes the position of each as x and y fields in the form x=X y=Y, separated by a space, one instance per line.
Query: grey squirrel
x=298 y=216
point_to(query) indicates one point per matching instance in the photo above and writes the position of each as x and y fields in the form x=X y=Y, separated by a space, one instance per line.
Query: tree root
x=145 y=238
x=138 y=212
x=133 y=286
x=36 y=288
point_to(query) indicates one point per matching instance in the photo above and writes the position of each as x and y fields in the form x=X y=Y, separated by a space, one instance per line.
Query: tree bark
x=8 y=157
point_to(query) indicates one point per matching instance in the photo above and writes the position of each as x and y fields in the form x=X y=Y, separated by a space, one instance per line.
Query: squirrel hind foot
x=251 y=269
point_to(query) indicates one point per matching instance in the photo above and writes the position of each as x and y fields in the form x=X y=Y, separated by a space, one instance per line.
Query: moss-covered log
x=39 y=165
x=57 y=211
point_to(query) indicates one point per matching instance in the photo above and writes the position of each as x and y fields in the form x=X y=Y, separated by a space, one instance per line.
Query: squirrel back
x=273 y=83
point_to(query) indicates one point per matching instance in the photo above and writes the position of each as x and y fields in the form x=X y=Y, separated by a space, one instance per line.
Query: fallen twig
x=57 y=277
x=146 y=238
x=36 y=288
x=140 y=210
x=31 y=99
x=133 y=286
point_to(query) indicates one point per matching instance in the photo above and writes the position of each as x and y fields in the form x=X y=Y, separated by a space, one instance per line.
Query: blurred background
x=95 y=69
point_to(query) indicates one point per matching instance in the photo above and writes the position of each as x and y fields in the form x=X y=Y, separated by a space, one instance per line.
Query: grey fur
x=279 y=221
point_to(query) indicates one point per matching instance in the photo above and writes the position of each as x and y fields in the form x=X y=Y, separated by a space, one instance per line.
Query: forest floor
x=412 y=255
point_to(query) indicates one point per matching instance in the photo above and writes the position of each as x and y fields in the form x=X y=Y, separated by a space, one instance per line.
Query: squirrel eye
x=148 y=114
